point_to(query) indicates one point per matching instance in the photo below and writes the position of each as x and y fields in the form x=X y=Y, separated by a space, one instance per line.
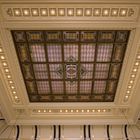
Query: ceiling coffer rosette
x=71 y=66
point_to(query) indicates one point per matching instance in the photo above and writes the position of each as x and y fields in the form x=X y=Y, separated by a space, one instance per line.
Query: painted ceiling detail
x=71 y=66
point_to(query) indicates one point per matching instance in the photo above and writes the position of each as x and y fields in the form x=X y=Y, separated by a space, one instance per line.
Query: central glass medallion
x=71 y=71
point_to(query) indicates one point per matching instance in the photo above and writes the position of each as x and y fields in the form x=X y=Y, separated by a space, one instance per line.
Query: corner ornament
x=131 y=12
x=9 y=12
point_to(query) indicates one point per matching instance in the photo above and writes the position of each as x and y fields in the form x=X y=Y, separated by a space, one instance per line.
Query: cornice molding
x=71 y=1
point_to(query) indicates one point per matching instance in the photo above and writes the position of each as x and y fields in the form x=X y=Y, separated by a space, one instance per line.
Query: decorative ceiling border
x=40 y=112
x=69 y=111
x=8 y=77
x=68 y=11
x=132 y=79
x=105 y=12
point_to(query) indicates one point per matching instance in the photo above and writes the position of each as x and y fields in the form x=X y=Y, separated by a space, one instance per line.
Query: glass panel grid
x=71 y=88
x=56 y=71
x=84 y=64
x=87 y=52
x=99 y=87
x=101 y=71
x=70 y=50
x=37 y=53
x=54 y=52
x=104 y=52
x=43 y=87
x=57 y=87
x=40 y=71
x=85 y=87
x=88 y=68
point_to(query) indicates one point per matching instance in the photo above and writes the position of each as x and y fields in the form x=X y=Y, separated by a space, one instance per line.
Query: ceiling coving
x=71 y=66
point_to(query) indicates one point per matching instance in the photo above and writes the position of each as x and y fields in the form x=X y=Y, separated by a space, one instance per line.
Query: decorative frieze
x=8 y=77
x=133 y=76
x=71 y=12
x=71 y=111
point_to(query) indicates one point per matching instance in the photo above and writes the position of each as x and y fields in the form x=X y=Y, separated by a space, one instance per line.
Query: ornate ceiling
x=69 y=62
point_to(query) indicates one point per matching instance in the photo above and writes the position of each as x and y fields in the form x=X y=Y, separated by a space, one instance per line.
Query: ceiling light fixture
x=97 y=12
x=16 y=97
x=126 y=96
x=14 y=92
x=129 y=86
x=133 y=75
x=52 y=12
x=8 y=76
x=137 y=63
x=43 y=12
x=2 y=57
x=11 y=82
x=71 y=111
x=4 y=64
x=88 y=12
x=114 y=12
x=26 y=12
x=123 y=12
x=12 y=87
x=17 y=12
x=106 y=12
x=131 y=81
x=79 y=12
x=128 y=91
x=134 y=69
x=34 y=12
x=61 y=12
x=0 y=50
x=6 y=70
x=138 y=56
x=70 y=12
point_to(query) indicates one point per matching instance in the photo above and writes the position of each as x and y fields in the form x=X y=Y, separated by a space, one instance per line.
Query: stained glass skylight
x=71 y=66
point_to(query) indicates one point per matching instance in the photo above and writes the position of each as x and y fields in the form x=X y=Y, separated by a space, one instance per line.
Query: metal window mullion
x=31 y=62
x=110 y=64
x=63 y=63
x=48 y=69
x=79 y=65
x=94 y=64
